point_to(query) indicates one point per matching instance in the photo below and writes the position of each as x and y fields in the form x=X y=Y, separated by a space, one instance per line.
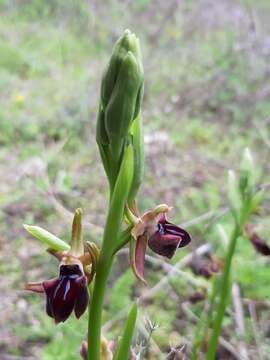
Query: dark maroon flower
x=259 y=244
x=205 y=266
x=69 y=291
x=197 y=297
x=64 y=294
x=164 y=238
x=168 y=238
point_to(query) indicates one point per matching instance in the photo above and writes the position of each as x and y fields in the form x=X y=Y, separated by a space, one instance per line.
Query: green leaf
x=123 y=350
x=47 y=238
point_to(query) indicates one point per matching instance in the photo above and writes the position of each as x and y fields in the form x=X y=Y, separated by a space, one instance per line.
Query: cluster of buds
x=119 y=124
x=119 y=117
x=68 y=291
x=243 y=193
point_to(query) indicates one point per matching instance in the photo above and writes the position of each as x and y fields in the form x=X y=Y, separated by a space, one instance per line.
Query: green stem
x=110 y=238
x=95 y=313
x=223 y=295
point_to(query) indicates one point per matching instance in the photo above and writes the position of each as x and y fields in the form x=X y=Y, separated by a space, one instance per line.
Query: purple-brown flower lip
x=64 y=294
x=167 y=238
x=67 y=293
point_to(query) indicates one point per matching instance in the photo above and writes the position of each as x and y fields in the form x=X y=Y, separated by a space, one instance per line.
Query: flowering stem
x=223 y=295
x=95 y=313
x=109 y=245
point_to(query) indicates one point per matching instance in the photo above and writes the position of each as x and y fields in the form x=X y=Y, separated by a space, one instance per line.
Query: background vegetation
x=206 y=98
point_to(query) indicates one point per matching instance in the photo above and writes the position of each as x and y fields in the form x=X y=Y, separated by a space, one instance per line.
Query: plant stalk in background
x=243 y=200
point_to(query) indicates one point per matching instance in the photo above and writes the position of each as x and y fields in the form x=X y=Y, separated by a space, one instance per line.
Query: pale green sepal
x=52 y=241
x=77 y=246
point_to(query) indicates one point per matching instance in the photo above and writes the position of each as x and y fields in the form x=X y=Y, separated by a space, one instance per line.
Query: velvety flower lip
x=168 y=238
x=66 y=293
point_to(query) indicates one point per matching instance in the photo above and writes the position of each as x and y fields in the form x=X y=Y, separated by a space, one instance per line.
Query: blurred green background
x=207 y=94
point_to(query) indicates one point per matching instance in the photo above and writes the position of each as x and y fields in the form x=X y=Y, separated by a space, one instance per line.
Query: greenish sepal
x=123 y=350
x=105 y=157
x=52 y=241
x=101 y=134
x=77 y=246
x=139 y=101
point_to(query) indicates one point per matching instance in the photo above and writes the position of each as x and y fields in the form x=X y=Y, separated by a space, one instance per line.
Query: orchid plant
x=119 y=138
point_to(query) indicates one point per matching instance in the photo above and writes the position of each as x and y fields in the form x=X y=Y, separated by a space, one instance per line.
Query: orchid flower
x=154 y=230
x=69 y=291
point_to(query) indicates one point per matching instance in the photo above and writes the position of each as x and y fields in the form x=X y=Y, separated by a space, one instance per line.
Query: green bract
x=138 y=148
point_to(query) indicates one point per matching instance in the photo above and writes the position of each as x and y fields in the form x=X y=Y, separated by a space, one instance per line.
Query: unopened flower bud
x=84 y=350
x=127 y=42
x=247 y=174
x=120 y=111
x=120 y=106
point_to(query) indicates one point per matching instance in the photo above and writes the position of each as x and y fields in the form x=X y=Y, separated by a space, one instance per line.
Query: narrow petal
x=165 y=245
x=82 y=298
x=35 y=287
x=137 y=256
